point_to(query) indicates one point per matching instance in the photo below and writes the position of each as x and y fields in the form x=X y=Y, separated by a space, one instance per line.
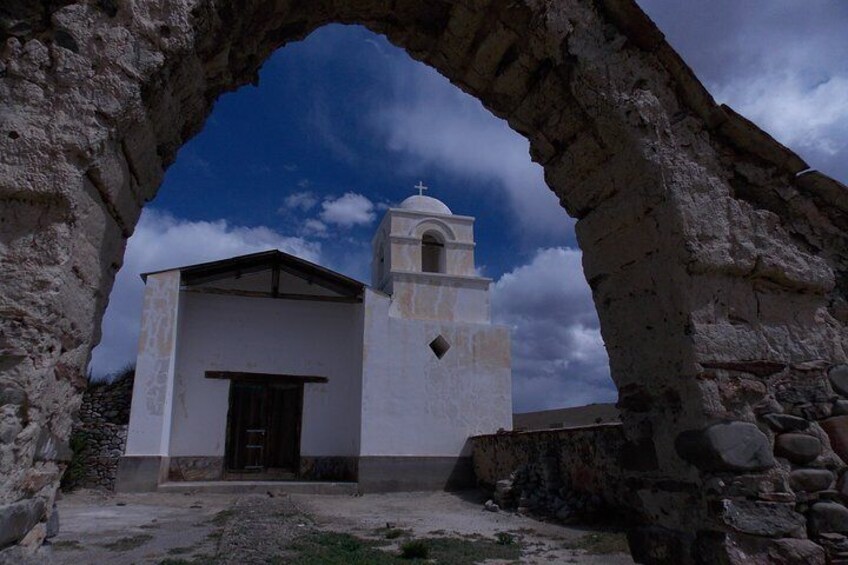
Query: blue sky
x=343 y=124
x=372 y=122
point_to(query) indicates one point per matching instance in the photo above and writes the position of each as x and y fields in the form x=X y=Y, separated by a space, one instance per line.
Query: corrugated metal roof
x=266 y=260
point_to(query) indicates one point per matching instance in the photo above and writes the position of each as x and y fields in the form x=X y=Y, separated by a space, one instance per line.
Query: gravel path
x=259 y=527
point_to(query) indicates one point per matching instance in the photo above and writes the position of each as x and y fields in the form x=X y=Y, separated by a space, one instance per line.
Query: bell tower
x=423 y=256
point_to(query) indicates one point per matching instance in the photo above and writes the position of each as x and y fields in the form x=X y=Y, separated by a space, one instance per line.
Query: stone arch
x=716 y=259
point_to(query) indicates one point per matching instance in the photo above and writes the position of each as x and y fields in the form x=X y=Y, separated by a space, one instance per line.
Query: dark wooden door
x=247 y=429
x=263 y=430
x=284 y=416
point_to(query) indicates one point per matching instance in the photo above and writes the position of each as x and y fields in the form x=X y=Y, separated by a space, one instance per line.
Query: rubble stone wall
x=102 y=424
x=558 y=472
x=717 y=259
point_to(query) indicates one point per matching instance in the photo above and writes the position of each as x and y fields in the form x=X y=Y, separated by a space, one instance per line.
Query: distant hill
x=566 y=417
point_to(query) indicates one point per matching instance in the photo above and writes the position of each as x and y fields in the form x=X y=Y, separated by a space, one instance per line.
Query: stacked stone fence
x=101 y=431
x=568 y=473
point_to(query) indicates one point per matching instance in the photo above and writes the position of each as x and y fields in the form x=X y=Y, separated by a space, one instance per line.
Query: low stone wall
x=564 y=472
x=101 y=431
x=104 y=446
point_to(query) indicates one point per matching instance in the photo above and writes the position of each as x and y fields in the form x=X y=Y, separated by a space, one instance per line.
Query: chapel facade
x=269 y=367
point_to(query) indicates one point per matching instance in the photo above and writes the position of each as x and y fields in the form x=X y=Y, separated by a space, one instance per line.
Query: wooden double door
x=263 y=429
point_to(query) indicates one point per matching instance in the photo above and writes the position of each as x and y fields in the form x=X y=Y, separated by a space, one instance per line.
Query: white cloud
x=314 y=228
x=442 y=128
x=304 y=201
x=162 y=241
x=811 y=116
x=781 y=63
x=350 y=209
x=559 y=357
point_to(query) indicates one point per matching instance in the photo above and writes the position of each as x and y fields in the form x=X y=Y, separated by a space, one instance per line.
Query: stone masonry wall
x=571 y=472
x=103 y=419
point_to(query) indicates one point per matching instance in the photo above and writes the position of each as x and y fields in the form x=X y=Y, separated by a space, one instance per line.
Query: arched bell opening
x=432 y=253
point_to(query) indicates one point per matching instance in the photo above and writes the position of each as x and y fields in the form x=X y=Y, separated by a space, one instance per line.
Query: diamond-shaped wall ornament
x=440 y=346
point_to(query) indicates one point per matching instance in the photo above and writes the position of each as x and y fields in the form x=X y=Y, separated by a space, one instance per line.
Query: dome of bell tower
x=425 y=204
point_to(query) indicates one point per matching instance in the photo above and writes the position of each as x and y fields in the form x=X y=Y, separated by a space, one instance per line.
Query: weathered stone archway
x=716 y=261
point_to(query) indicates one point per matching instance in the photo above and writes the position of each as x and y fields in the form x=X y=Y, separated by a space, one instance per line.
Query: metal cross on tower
x=421 y=188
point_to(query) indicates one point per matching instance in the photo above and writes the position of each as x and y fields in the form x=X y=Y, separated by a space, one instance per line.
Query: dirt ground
x=174 y=529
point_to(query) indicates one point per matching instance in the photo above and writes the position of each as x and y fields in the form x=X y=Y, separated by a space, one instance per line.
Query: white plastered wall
x=150 y=412
x=264 y=335
x=433 y=296
x=414 y=404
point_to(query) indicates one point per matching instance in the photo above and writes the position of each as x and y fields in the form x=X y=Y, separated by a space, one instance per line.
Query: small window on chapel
x=432 y=254
x=440 y=346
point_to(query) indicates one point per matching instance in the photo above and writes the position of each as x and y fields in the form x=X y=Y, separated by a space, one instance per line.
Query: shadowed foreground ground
x=299 y=529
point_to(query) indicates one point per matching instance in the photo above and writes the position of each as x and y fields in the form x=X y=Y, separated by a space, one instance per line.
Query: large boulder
x=17 y=519
x=810 y=480
x=771 y=519
x=828 y=517
x=791 y=551
x=798 y=448
x=786 y=422
x=838 y=375
x=837 y=431
x=727 y=446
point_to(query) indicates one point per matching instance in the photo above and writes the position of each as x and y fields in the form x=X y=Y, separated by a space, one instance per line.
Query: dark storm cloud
x=781 y=63
x=558 y=355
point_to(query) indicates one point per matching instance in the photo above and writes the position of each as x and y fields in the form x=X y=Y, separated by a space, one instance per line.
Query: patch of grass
x=504 y=538
x=415 y=549
x=196 y=560
x=455 y=551
x=128 y=543
x=181 y=550
x=331 y=548
x=222 y=517
x=601 y=543
x=391 y=533
x=66 y=545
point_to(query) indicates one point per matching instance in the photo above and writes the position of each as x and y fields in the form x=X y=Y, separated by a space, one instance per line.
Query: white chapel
x=269 y=367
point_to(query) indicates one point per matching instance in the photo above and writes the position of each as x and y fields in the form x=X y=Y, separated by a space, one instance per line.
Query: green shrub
x=601 y=543
x=76 y=467
x=414 y=550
